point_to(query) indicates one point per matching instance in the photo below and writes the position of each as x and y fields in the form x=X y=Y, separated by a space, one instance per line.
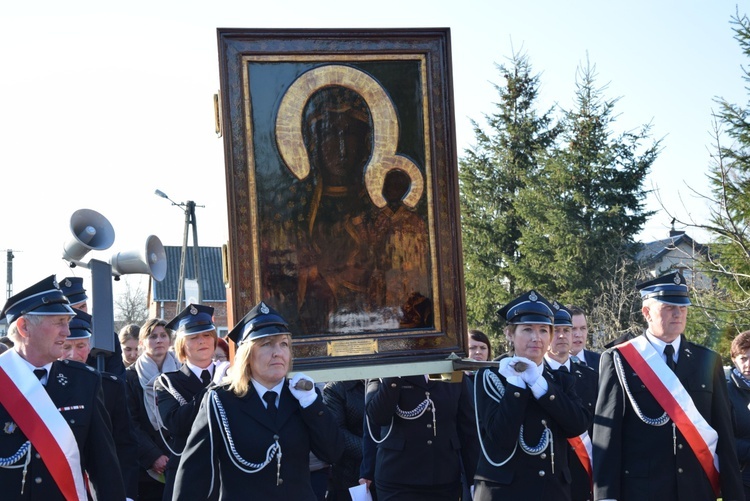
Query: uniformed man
x=54 y=422
x=662 y=428
x=558 y=358
x=580 y=331
x=72 y=288
x=77 y=347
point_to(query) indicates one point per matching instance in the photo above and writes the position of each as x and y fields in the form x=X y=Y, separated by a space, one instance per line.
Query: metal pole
x=196 y=258
x=181 y=285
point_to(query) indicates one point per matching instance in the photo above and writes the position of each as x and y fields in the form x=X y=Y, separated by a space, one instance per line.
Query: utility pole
x=9 y=274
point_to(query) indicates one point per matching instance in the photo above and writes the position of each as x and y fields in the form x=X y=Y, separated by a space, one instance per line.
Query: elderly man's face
x=43 y=342
x=665 y=321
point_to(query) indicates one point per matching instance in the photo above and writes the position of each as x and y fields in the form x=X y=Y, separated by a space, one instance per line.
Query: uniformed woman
x=179 y=393
x=253 y=435
x=525 y=413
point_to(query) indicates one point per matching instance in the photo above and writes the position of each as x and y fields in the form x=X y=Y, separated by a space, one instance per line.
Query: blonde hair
x=179 y=346
x=241 y=371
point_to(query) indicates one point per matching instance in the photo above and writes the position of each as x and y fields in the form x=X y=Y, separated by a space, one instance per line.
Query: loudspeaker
x=150 y=260
x=91 y=231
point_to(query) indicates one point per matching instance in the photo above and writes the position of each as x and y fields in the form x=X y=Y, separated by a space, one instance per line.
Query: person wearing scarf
x=739 y=398
x=153 y=453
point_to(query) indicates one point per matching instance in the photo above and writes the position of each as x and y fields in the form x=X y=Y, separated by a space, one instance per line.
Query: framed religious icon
x=343 y=190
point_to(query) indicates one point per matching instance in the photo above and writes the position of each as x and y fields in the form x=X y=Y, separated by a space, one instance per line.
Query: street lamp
x=189 y=209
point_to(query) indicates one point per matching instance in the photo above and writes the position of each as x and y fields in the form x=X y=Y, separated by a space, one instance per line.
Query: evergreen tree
x=587 y=205
x=505 y=160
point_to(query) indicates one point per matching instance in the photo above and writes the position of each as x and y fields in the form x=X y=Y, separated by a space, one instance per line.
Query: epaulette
x=109 y=375
x=78 y=365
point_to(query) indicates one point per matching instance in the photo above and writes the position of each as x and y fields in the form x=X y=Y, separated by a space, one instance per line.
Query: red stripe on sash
x=583 y=456
x=667 y=401
x=38 y=433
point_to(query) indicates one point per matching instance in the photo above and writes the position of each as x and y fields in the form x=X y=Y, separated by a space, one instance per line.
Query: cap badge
x=193 y=310
x=264 y=309
x=54 y=282
x=67 y=283
x=9 y=427
x=533 y=296
x=556 y=305
x=677 y=279
x=62 y=380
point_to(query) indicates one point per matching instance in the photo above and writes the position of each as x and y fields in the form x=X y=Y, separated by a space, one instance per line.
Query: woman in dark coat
x=179 y=393
x=739 y=398
x=253 y=436
x=525 y=413
x=153 y=453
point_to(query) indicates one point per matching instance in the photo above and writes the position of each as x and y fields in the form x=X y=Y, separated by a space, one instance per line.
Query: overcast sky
x=101 y=103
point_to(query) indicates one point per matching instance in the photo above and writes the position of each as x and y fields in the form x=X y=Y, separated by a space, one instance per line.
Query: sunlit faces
x=561 y=342
x=742 y=362
x=580 y=333
x=478 y=350
x=43 y=337
x=269 y=359
x=157 y=343
x=129 y=351
x=665 y=321
x=77 y=349
x=530 y=340
x=199 y=348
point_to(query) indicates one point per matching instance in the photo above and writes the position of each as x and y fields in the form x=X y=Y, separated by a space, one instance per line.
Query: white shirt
x=262 y=390
x=659 y=345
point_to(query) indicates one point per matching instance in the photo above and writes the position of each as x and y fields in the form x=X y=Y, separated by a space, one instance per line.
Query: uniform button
x=627 y=472
x=37 y=456
x=541 y=473
x=543 y=455
x=72 y=421
x=551 y=397
x=38 y=480
x=320 y=413
x=643 y=386
x=393 y=385
x=429 y=442
x=679 y=446
x=516 y=394
x=679 y=470
x=429 y=426
x=703 y=386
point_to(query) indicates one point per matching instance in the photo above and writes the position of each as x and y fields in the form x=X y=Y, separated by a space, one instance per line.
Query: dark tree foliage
x=506 y=159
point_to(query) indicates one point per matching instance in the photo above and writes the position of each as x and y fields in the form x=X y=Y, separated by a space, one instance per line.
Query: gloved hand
x=507 y=370
x=305 y=397
x=532 y=372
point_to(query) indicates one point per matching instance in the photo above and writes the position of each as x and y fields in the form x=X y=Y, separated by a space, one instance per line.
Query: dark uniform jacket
x=346 y=401
x=415 y=453
x=69 y=384
x=638 y=461
x=151 y=445
x=252 y=432
x=177 y=416
x=126 y=443
x=587 y=380
x=739 y=397
x=592 y=359
x=526 y=476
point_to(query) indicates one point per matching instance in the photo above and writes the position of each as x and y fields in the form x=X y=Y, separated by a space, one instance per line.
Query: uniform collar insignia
x=62 y=379
x=9 y=427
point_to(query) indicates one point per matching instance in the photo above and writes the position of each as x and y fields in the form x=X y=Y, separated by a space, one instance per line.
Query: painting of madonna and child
x=344 y=204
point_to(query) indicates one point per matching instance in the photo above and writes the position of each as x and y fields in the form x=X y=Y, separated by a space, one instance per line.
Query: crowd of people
x=652 y=418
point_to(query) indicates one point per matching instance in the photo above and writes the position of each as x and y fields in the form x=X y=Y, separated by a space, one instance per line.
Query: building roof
x=209 y=259
x=654 y=251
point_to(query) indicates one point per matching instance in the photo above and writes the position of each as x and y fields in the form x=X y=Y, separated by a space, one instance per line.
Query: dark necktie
x=205 y=377
x=270 y=398
x=669 y=353
x=40 y=373
x=563 y=369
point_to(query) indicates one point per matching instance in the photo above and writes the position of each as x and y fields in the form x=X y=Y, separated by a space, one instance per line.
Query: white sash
x=36 y=415
x=667 y=389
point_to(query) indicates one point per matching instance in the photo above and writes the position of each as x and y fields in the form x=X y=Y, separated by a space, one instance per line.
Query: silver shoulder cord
x=180 y=400
x=495 y=389
x=416 y=413
x=241 y=463
x=660 y=421
x=10 y=461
